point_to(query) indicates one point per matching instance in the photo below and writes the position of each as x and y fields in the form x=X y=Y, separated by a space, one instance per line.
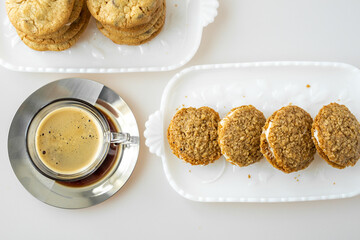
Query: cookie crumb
x=189 y=171
x=308 y=86
x=334 y=183
x=249 y=176
x=176 y=5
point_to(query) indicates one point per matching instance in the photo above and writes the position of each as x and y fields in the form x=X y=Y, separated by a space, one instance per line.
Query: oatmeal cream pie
x=286 y=140
x=193 y=135
x=239 y=135
x=336 y=134
x=39 y=17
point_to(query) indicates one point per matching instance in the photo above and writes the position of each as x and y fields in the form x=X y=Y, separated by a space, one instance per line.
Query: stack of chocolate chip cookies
x=129 y=22
x=48 y=25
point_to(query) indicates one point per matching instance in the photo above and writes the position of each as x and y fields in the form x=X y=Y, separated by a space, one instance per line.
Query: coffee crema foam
x=69 y=139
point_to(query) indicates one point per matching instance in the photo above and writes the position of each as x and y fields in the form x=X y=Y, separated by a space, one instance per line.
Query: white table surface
x=147 y=207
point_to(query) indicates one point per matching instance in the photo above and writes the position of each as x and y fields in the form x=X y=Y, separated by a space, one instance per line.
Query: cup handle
x=123 y=138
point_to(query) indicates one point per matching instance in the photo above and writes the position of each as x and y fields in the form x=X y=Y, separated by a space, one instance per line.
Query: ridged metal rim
x=48 y=190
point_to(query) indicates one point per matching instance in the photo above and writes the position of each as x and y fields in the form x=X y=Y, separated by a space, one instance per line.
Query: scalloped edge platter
x=94 y=53
x=268 y=86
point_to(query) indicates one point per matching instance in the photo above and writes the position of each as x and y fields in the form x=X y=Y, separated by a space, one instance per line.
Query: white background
x=147 y=207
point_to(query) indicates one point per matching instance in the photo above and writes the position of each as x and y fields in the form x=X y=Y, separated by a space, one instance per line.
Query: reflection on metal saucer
x=83 y=193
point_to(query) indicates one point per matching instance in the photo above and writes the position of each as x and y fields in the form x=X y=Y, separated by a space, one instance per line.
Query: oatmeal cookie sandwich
x=336 y=134
x=193 y=135
x=286 y=139
x=239 y=135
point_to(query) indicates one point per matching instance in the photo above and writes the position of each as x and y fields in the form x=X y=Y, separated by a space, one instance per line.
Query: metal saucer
x=50 y=191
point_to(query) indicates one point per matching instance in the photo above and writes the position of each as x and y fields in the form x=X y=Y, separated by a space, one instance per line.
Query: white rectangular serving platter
x=268 y=86
x=94 y=53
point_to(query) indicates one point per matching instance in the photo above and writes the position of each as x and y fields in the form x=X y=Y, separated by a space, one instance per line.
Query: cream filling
x=226 y=118
x=222 y=123
x=316 y=137
x=267 y=131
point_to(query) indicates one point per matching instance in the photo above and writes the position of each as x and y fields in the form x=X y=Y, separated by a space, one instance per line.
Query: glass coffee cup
x=68 y=140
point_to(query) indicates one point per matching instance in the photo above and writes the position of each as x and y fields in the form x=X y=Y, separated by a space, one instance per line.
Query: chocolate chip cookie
x=142 y=38
x=123 y=13
x=63 y=42
x=39 y=17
